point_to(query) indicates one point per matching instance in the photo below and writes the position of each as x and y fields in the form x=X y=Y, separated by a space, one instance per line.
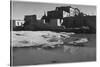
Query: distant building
x=17 y=23
x=30 y=22
x=65 y=18
x=55 y=17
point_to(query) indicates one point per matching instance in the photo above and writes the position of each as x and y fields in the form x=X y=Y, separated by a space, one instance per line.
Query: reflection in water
x=33 y=56
x=70 y=49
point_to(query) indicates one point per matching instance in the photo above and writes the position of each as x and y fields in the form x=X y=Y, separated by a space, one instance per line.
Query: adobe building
x=30 y=21
x=56 y=17
x=64 y=18
x=15 y=24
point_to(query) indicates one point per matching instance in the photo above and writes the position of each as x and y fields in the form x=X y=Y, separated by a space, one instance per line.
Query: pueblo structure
x=64 y=18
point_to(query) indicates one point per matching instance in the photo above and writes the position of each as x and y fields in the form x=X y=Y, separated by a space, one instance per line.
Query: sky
x=21 y=8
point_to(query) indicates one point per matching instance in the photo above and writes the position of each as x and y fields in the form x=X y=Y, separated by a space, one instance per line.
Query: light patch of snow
x=34 y=38
x=81 y=40
x=43 y=38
